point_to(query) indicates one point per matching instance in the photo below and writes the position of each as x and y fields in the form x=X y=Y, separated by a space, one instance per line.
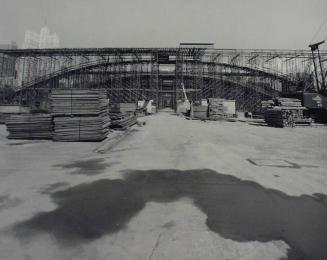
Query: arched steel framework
x=248 y=76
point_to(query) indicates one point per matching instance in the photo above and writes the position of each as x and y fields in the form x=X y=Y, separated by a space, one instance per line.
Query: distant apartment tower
x=42 y=40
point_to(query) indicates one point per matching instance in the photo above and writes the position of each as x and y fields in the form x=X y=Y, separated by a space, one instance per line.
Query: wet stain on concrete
x=7 y=202
x=236 y=209
x=87 y=167
x=50 y=188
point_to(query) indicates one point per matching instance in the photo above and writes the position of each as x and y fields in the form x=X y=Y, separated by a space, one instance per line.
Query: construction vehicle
x=316 y=101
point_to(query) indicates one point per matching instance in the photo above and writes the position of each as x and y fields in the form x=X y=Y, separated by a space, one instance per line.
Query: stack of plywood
x=267 y=104
x=81 y=128
x=79 y=102
x=80 y=114
x=29 y=126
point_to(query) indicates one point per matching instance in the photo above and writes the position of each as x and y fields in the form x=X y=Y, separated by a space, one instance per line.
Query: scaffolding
x=131 y=74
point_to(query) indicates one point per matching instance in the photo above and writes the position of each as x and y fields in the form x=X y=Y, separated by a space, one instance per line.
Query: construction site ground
x=170 y=189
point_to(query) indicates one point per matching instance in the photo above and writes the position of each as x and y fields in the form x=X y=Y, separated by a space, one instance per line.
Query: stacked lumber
x=80 y=114
x=122 y=115
x=29 y=126
x=81 y=128
x=79 y=102
x=122 y=121
x=266 y=104
x=287 y=112
x=279 y=118
x=288 y=102
x=200 y=112
x=125 y=108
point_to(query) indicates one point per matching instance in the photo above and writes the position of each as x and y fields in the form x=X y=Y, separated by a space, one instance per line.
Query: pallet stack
x=287 y=112
x=215 y=108
x=221 y=109
x=80 y=114
x=122 y=115
x=30 y=126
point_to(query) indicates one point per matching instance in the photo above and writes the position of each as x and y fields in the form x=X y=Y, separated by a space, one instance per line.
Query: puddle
x=86 y=167
x=236 y=209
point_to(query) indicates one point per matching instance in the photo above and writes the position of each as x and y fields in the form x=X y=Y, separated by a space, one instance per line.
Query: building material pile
x=122 y=121
x=221 y=108
x=286 y=112
x=79 y=102
x=30 y=126
x=267 y=104
x=124 y=108
x=122 y=115
x=80 y=114
x=200 y=112
x=279 y=118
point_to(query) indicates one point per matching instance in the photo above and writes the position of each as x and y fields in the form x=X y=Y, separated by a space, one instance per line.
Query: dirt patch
x=236 y=209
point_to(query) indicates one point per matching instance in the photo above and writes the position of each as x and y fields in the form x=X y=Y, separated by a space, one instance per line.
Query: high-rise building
x=42 y=40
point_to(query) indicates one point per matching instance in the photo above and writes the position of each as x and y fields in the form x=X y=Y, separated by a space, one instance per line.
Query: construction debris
x=30 y=126
x=80 y=114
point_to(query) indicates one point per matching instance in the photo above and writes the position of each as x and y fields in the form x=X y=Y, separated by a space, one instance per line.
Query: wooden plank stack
x=30 y=126
x=122 y=115
x=288 y=102
x=79 y=102
x=125 y=108
x=122 y=121
x=81 y=128
x=278 y=117
x=80 y=114
x=287 y=112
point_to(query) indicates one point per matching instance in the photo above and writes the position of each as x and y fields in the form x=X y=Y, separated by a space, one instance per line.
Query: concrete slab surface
x=171 y=189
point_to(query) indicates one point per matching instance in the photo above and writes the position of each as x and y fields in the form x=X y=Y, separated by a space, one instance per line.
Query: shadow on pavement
x=236 y=209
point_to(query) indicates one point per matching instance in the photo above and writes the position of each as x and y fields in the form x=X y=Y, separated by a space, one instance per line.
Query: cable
x=320 y=27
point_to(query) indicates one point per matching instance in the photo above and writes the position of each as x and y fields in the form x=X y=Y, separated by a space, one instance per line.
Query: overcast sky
x=274 y=24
